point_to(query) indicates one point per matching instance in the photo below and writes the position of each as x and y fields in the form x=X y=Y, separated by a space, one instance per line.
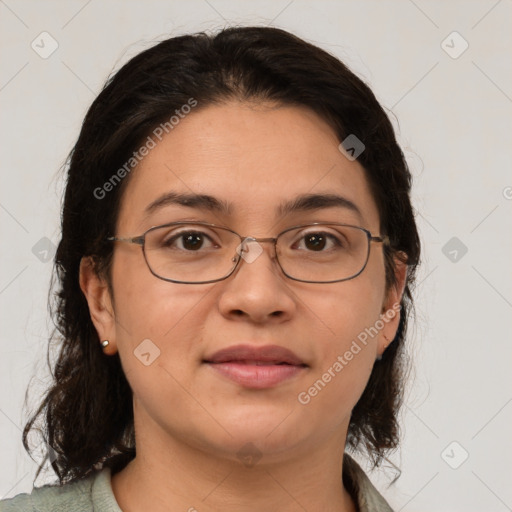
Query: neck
x=181 y=477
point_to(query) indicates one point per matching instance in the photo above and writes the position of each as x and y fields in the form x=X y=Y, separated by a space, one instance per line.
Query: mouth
x=256 y=367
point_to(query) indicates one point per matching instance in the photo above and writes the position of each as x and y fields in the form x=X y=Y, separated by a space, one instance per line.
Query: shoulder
x=367 y=497
x=80 y=496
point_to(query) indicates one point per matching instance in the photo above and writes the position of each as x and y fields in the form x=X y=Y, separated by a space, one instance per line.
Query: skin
x=190 y=422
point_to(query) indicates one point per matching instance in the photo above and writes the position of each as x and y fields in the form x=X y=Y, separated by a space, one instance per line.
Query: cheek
x=345 y=328
x=341 y=311
x=156 y=317
x=334 y=391
x=160 y=349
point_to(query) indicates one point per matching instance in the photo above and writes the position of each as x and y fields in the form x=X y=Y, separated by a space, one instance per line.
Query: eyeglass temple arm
x=384 y=239
x=139 y=240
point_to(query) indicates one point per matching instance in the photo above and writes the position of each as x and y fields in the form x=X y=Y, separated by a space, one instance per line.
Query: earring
x=104 y=343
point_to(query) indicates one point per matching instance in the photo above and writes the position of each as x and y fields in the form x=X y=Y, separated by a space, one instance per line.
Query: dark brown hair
x=87 y=414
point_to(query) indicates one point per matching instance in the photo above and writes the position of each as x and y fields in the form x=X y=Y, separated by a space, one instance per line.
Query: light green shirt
x=94 y=494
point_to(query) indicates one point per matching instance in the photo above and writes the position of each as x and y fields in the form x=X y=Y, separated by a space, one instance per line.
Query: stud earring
x=105 y=343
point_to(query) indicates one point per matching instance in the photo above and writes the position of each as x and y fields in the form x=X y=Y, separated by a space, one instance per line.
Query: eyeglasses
x=199 y=253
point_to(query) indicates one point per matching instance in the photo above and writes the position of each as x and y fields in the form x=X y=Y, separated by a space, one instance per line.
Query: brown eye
x=192 y=241
x=315 y=242
x=318 y=241
x=188 y=241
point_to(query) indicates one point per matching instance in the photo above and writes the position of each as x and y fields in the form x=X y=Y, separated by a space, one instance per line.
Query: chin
x=271 y=429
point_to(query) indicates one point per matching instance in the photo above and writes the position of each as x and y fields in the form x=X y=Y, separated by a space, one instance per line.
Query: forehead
x=253 y=158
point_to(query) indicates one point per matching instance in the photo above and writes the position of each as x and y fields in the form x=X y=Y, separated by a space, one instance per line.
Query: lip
x=256 y=367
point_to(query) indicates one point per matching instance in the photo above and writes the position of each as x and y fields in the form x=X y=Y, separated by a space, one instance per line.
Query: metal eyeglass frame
x=141 y=239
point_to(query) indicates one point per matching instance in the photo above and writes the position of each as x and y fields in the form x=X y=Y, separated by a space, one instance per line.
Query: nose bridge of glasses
x=250 y=249
x=260 y=240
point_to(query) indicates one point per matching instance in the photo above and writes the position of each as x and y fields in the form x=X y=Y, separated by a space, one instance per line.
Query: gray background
x=454 y=123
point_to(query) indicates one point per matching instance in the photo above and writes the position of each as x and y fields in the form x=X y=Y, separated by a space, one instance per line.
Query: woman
x=237 y=255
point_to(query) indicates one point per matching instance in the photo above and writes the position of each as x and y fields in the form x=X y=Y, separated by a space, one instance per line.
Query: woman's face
x=252 y=160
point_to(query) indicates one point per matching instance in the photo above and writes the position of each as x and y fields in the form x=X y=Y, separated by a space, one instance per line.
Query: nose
x=257 y=290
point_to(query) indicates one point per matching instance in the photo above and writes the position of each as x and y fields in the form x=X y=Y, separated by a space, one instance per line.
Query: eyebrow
x=309 y=202
x=304 y=202
x=199 y=201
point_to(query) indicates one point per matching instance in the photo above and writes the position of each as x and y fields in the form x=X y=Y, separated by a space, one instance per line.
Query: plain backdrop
x=443 y=71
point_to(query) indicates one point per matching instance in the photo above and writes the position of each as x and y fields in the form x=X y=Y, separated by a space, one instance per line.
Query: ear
x=390 y=314
x=98 y=298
